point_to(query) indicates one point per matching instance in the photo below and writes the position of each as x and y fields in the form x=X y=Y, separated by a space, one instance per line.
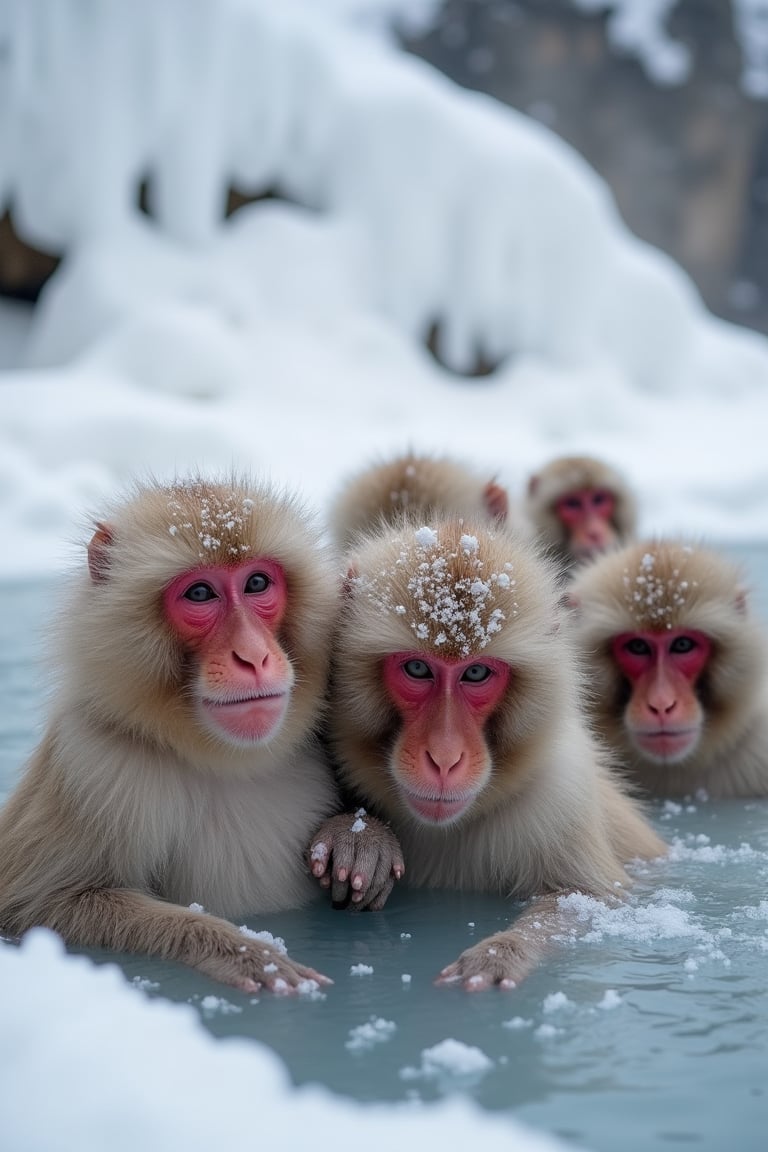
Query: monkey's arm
x=124 y=920
x=358 y=857
x=508 y=957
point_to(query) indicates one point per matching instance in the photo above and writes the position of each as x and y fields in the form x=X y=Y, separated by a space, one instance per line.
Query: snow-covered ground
x=290 y=340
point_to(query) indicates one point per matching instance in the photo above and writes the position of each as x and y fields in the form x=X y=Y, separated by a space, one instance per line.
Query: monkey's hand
x=503 y=959
x=249 y=961
x=358 y=857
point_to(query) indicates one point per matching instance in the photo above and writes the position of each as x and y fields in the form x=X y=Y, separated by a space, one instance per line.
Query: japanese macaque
x=679 y=669
x=179 y=765
x=579 y=507
x=455 y=715
x=418 y=486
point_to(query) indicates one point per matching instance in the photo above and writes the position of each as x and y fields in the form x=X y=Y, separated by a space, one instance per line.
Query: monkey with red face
x=179 y=766
x=456 y=716
x=678 y=666
x=579 y=507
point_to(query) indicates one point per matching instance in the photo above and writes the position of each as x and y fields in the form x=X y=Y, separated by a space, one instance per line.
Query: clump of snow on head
x=461 y=612
x=652 y=596
x=211 y=515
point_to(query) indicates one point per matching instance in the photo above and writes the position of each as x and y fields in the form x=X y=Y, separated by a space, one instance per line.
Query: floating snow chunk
x=450 y=1058
x=516 y=1023
x=555 y=1001
x=611 y=999
x=546 y=1031
x=212 y=1004
x=361 y=970
x=374 y=1031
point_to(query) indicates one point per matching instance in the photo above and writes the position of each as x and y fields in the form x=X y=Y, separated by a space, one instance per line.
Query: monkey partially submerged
x=679 y=668
x=179 y=764
x=456 y=715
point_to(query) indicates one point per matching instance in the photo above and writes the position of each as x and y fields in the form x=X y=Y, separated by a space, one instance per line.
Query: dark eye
x=682 y=644
x=476 y=673
x=257 y=582
x=638 y=647
x=572 y=502
x=600 y=498
x=199 y=593
x=417 y=670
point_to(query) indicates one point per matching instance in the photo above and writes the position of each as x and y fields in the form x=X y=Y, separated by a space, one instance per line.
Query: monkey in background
x=179 y=766
x=678 y=666
x=579 y=507
x=416 y=485
x=455 y=715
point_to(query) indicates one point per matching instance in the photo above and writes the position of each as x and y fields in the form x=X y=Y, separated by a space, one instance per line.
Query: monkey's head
x=446 y=670
x=205 y=616
x=581 y=507
x=673 y=653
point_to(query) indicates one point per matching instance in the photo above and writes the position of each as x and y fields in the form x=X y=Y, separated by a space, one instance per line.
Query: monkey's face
x=227 y=619
x=440 y=759
x=586 y=516
x=663 y=718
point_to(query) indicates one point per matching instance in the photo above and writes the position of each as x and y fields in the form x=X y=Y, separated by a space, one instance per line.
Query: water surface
x=641 y=1032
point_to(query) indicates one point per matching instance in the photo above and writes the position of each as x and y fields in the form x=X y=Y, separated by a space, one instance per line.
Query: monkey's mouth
x=248 y=719
x=668 y=746
x=441 y=809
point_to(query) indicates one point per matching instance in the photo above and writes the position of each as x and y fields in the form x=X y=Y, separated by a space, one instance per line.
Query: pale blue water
x=680 y=1059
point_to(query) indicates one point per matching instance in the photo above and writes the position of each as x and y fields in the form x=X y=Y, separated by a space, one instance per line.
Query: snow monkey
x=416 y=485
x=455 y=715
x=679 y=668
x=579 y=507
x=178 y=767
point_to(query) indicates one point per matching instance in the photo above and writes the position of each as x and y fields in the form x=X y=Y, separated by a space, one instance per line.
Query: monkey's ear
x=496 y=500
x=350 y=577
x=98 y=553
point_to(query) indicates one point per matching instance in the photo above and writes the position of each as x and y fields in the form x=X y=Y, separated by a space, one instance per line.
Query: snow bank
x=88 y=1062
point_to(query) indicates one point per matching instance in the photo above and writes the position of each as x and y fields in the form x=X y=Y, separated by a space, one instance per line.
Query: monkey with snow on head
x=179 y=766
x=456 y=716
x=417 y=485
x=579 y=507
x=678 y=666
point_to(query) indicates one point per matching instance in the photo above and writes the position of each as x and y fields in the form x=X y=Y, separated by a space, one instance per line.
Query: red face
x=587 y=517
x=663 y=718
x=227 y=620
x=441 y=759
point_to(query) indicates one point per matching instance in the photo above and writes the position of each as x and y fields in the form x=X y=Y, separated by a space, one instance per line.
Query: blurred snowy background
x=411 y=264
x=278 y=240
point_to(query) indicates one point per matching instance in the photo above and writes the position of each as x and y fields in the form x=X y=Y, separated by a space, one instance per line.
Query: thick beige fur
x=658 y=584
x=552 y=818
x=129 y=809
x=416 y=485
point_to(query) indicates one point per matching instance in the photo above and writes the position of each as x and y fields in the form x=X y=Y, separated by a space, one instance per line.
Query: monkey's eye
x=573 y=503
x=638 y=647
x=682 y=644
x=257 y=582
x=600 y=498
x=199 y=593
x=417 y=670
x=476 y=673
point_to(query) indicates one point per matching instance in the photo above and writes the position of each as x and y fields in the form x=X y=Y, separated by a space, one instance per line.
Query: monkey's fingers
x=502 y=960
x=372 y=894
x=286 y=977
x=319 y=854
